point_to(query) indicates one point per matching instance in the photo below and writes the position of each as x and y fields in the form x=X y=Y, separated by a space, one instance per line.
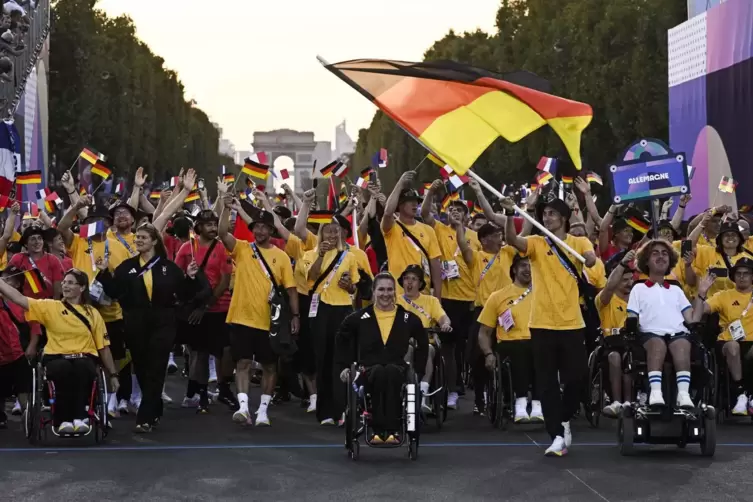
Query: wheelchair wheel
x=595 y=401
x=413 y=449
x=708 y=444
x=350 y=413
x=626 y=434
x=492 y=405
x=354 y=450
x=33 y=412
x=101 y=420
x=504 y=391
x=439 y=399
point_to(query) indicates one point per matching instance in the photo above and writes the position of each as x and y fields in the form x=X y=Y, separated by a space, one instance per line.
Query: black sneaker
x=143 y=428
x=229 y=400
x=281 y=397
x=155 y=422
x=478 y=409
x=202 y=410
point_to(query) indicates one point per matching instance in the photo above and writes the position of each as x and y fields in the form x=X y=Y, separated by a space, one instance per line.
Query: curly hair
x=644 y=253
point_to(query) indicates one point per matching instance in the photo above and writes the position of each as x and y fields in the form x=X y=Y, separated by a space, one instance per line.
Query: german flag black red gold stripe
x=29 y=178
x=456 y=111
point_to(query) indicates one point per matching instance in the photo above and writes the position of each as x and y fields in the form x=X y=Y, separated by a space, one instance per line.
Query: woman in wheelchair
x=429 y=310
x=76 y=339
x=377 y=338
x=736 y=341
x=507 y=311
x=612 y=304
x=662 y=310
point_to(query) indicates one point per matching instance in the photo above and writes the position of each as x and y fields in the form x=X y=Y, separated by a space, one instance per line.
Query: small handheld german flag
x=35 y=280
x=228 y=178
x=155 y=195
x=727 y=185
x=101 y=170
x=594 y=178
x=636 y=221
x=320 y=217
x=543 y=177
x=91 y=156
x=255 y=169
x=327 y=170
x=29 y=178
x=567 y=180
x=193 y=196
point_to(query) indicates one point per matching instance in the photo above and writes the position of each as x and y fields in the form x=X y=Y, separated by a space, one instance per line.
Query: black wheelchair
x=38 y=414
x=598 y=389
x=641 y=423
x=437 y=395
x=499 y=394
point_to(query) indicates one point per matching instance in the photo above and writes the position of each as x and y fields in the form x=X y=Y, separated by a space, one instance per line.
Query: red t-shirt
x=51 y=267
x=219 y=263
x=67 y=263
x=10 y=344
x=172 y=245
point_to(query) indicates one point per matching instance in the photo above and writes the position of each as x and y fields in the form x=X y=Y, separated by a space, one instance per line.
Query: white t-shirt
x=11 y=6
x=659 y=309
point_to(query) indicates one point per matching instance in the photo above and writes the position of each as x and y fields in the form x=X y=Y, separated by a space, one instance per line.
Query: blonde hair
x=340 y=238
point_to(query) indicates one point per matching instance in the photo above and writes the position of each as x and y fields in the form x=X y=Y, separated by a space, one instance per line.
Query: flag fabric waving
x=255 y=169
x=547 y=164
x=456 y=111
x=29 y=178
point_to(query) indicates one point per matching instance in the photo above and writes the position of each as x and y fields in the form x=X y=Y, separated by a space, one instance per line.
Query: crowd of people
x=303 y=292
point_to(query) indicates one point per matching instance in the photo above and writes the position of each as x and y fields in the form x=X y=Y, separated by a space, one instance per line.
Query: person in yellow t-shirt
x=72 y=347
x=717 y=260
x=557 y=325
x=736 y=320
x=611 y=303
x=249 y=313
x=429 y=311
x=506 y=314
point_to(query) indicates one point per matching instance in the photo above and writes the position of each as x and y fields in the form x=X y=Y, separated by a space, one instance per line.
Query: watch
x=509 y=212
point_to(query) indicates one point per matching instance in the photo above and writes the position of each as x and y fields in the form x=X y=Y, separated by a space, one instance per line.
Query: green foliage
x=110 y=92
x=611 y=54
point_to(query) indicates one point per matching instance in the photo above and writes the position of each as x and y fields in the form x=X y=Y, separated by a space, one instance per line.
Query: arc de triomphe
x=299 y=146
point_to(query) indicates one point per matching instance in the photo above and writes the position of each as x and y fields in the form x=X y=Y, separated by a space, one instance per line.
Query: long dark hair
x=159 y=246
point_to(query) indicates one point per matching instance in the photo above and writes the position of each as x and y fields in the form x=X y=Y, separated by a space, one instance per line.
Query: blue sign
x=643 y=175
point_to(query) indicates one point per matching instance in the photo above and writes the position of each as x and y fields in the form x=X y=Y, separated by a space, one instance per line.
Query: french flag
x=547 y=164
x=92 y=229
x=380 y=158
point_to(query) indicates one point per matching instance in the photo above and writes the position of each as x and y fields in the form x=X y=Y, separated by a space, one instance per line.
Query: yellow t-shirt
x=362 y=261
x=430 y=311
x=296 y=248
x=249 y=305
x=83 y=261
x=749 y=243
x=498 y=303
x=555 y=293
x=385 y=320
x=704 y=241
x=612 y=315
x=129 y=238
x=460 y=288
x=707 y=259
x=472 y=237
x=497 y=276
x=597 y=275
x=148 y=282
x=66 y=334
x=730 y=305
x=402 y=251
x=333 y=294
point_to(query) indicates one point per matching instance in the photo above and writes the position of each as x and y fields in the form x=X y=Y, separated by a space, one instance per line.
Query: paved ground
x=209 y=458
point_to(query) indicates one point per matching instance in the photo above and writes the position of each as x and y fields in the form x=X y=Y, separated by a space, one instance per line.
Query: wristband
x=71 y=192
x=531 y=210
x=702 y=298
x=509 y=212
x=682 y=206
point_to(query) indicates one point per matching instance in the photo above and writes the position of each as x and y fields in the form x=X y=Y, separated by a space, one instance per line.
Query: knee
x=614 y=359
x=244 y=365
x=432 y=350
x=269 y=368
x=732 y=350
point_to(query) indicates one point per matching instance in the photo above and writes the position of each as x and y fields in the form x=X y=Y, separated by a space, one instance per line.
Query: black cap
x=729 y=226
x=205 y=216
x=558 y=205
x=487 y=229
x=266 y=218
x=408 y=195
x=619 y=225
x=741 y=263
x=98 y=212
x=123 y=205
x=283 y=212
x=344 y=224
x=416 y=270
x=32 y=230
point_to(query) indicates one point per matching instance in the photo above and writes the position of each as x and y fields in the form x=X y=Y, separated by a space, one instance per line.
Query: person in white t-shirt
x=662 y=311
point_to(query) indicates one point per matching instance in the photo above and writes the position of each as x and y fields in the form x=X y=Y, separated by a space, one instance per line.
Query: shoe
x=656 y=398
x=479 y=410
x=280 y=397
x=558 y=448
x=261 y=417
x=327 y=421
x=17 y=411
x=228 y=400
x=684 y=401
x=212 y=370
x=123 y=407
x=190 y=402
x=392 y=439
x=66 y=428
x=241 y=417
x=80 y=427
x=171 y=366
x=750 y=407
x=452 y=401
x=521 y=411
x=312 y=405
x=537 y=416
x=425 y=406
x=341 y=422
x=612 y=410
x=165 y=398
x=741 y=408
x=143 y=428
x=135 y=403
x=568 y=434
x=112 y=406
x=202 y=409
x=155 y=423
x=377 y=439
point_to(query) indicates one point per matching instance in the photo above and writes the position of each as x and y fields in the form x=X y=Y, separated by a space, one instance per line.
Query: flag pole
x=354 y=224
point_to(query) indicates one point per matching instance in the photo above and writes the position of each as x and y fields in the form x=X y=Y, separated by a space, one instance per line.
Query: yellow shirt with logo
x=460 y=288
x=296 y=248
x=730 y=304
x=385 y=320
x=333 y=294
x=612 y=314
x=708 y=259
x=66 y=334
x=497 y=276
x=402 y=251
x=430 y=311
x=472 y=237
x=499 y=302
x=249 y=305
x=555 y=294
x=597 y=275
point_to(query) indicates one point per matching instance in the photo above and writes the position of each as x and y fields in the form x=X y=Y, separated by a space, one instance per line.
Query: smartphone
x=687 y=247
x=201 y=183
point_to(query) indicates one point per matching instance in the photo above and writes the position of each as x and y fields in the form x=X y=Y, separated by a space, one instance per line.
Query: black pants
x=304 y=360
x=150 y=337
x=385 y=384
x=559 y=352
x=73 y=380
x=454 y=342
x=330 y=391
x=475 y=359
x=520 y=353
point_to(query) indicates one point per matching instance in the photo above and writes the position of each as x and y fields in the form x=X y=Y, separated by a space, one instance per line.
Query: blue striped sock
x=654 y=380
x=683 y=381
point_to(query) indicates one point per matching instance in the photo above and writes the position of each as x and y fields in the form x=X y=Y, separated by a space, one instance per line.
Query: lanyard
x=416 y=306
x=256 y=252
x=123 y=242
x=91 y=252
x=562 y=261
x=521 y=297
x=334 y=270
x=488 y=266
x=149 y=266
x=750 y=303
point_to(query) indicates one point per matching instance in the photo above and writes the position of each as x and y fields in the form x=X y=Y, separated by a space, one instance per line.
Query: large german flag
x=456 y=111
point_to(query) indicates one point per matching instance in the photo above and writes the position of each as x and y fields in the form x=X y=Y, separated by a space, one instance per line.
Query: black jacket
x=170 y=286
x=359 y=340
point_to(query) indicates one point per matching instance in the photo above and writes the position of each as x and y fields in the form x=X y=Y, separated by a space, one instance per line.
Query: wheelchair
x=724 y=400
x=598 y=375
x=358 y=418
x=499 y=394
x=438 y=386
x=641 y=423
x=38 y=416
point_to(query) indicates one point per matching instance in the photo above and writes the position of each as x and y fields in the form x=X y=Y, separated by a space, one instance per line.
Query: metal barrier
x=23 y=64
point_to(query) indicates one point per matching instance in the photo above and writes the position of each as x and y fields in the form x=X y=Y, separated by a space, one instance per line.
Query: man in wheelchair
x=377 y=338
x=662 y=310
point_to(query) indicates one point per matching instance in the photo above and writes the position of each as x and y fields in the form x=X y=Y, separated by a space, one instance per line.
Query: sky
x=251 y=64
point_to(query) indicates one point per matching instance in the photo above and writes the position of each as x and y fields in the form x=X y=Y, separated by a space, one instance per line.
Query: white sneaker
x=190 y=402
x=261 y=417
x=656 y=398
x=536 y=414
x=521 y=410
x=17 y=409
x=66 y=428
x=684 y=401
x=327 y=421
x=241 y=416
x=741 y=408
x=212 y=396
x=612 y=410
x=112 y=406
x=80 y=427
x=212 y=370
x=135 y=400
x=341 y=422
x=165 y=398
x=558 y=448
x=171 y=366
x=452 y=401
x=312 y=405
x=425 y=407
x=568 y=434
x=123 y=407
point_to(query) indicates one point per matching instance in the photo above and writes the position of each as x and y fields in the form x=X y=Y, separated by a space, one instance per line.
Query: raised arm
x=700 y=302
x=70 y=189
x=428 y=204
x=516 y=241
x=65 y=223
x=585 y=189
x=491 y=216
x=388 y=220
x=680 y=213
x=300 y=229
x=290 y=193
x=465 y=249
x=138 y=187
x=223 y=230
x=606 y=224
x=177 y=202
x=13 y=295
x=10 y=226
x=284 y=232
x=615 y=277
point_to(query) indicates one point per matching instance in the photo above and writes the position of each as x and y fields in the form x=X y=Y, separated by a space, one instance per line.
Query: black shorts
x=210 y=335
x=15 y=378
x=116 y=333
x=251 y=343
x=461 y=318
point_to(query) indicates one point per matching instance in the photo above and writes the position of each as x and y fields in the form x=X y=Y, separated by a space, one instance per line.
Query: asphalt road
x=208 y=457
